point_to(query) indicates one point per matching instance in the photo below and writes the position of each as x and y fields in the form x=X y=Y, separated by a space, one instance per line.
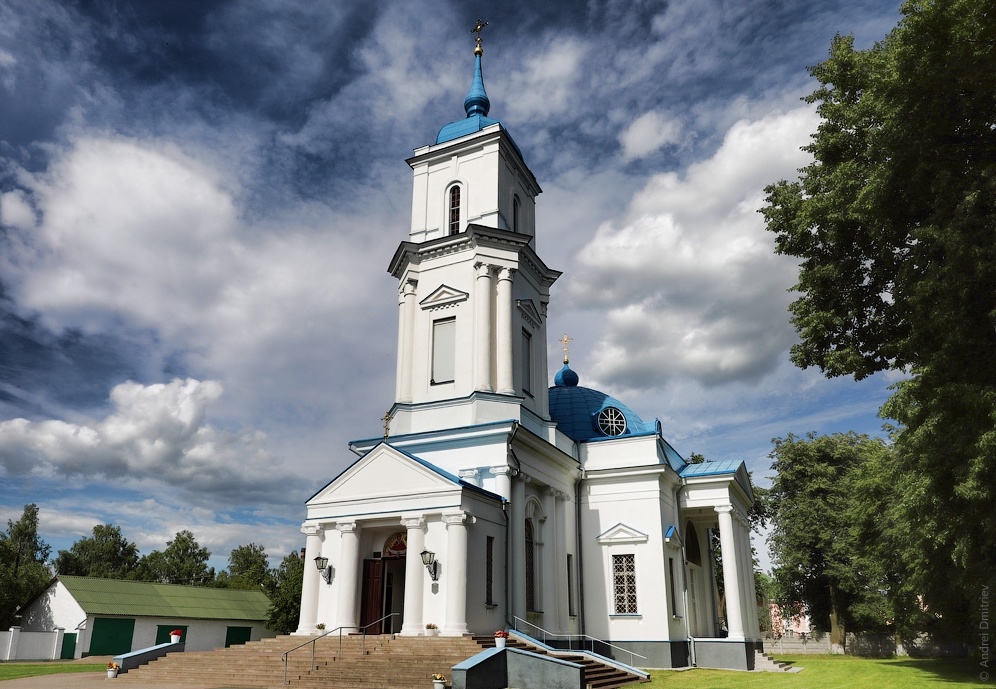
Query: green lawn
x=833 y=672
x=15 y=670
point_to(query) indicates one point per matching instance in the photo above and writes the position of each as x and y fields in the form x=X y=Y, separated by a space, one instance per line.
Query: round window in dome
x=611 y=421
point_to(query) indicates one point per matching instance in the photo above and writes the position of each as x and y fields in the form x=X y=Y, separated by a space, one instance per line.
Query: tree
x=106 y=554
x=23 y=572
x=894 y=222
x=820 y=558
x=248 y=568
x=285 y=595
x=183 y=562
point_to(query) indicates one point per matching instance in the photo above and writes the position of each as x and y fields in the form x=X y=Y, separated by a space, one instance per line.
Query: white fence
x=18 y=645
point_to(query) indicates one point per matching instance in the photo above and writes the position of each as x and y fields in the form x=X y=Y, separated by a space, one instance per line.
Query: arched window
x=454 y=209
x=515 y=214
x=530 y=566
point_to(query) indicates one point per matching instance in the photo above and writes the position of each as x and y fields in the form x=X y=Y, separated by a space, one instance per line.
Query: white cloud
x=156 y=433
x=16 y=211
x=688 y=277
x=649 y=133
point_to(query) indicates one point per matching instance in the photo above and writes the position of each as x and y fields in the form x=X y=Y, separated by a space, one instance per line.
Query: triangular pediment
x=385 y=474
x=442 y=297
x=621 y=533
x=529 y=312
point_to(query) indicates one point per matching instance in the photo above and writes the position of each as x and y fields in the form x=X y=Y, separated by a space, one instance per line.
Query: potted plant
x=112 y=670
x=438 y=681
x=501 y=636
x=174 y=636
x=431 y=629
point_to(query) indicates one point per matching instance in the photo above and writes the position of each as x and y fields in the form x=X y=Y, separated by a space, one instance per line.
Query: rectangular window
x=489 y=591
x=443 y=351
x=624 y=583
x=570 y=586
x=527 y=361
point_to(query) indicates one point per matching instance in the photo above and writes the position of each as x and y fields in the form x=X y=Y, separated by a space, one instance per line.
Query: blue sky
x=198 y=203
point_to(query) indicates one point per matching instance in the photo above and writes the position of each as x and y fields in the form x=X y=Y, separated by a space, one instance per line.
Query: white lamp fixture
x=429 y=560
x=322 y=563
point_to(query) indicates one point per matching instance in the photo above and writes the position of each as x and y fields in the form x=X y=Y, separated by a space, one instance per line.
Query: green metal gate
x=111 y=636
x=68 y=651
x=235 y=636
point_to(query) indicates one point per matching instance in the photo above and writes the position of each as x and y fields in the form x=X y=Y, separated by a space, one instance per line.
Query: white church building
x=495 y=501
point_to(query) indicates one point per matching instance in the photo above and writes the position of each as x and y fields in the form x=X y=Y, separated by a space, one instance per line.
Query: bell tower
x=473 y=293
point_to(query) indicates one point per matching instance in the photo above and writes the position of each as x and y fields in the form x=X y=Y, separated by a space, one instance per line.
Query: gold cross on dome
x=478 y=29
x=563 y=342
x=387 y=424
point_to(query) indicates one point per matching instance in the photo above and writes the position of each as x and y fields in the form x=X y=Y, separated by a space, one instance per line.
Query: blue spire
x=477 y=102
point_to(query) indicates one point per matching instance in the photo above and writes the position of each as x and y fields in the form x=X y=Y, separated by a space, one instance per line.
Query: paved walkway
x=88 y=680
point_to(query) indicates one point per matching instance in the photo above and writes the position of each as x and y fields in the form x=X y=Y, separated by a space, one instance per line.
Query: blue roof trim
x=727 y=466
x=428 y=465
x=429 y=434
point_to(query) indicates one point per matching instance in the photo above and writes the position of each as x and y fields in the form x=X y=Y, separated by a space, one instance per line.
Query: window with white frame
x=624 y=584
x=443 y=351
x=454 y=209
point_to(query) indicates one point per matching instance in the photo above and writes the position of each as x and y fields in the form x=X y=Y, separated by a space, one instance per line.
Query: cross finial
x=563 y=342
x=387 y=424
x=478 y=50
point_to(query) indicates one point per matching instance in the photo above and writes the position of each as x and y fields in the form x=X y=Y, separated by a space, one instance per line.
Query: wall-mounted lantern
x=322 y=563
x=429 y=560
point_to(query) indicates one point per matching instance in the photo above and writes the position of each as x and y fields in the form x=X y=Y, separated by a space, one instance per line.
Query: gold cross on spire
x=478 y=50
x=563 y=342
x=387 y=424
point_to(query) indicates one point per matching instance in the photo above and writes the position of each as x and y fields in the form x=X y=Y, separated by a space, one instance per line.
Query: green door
x=68 y=647
x=111 y=636
x=237 y=635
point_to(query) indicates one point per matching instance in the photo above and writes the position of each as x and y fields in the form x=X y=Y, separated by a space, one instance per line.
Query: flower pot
x=500 y=641
x=111 y=673
x=174 y=638
x=431 y=632
x=438 y=684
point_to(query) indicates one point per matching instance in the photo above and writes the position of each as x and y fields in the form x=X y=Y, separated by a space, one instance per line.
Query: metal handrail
x=314 y=641
x=569 y=638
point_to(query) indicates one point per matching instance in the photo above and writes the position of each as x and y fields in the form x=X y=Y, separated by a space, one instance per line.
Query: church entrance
x=383 y=591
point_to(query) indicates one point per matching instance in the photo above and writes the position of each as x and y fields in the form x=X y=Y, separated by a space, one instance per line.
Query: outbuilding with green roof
x=114 y=616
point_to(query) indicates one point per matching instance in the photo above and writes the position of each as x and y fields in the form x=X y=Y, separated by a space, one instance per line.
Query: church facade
x=493 y=501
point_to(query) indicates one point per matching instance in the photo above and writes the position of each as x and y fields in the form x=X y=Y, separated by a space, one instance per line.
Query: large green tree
x=285 y=595
x=23 y=569
x=183 y=562
x=106 y=554
x=819 y=551
x=894 y=223
x=248 y=568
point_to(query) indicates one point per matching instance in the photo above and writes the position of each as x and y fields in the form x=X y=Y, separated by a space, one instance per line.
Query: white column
x=309 y=586
x=406 y=337
x=414 y=576
x=560 y=571
x=503 y=337
x=455 y=574
x=731 y=580
x=482 y=334
x=504 y=475
x=517 y=566
x=348 y=575
x=549 y=571
x=751 y=627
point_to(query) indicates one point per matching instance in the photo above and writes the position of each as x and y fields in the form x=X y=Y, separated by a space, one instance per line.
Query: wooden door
x=372 y=598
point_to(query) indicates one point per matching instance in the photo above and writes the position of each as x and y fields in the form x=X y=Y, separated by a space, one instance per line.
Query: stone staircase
x=371 y=663
x=765 y=663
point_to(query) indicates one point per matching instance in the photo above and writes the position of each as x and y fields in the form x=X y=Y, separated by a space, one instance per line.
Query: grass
x=833 y=672
x=15 y=670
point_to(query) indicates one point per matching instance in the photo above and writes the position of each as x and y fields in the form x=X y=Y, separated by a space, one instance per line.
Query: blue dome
x=585 y=414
